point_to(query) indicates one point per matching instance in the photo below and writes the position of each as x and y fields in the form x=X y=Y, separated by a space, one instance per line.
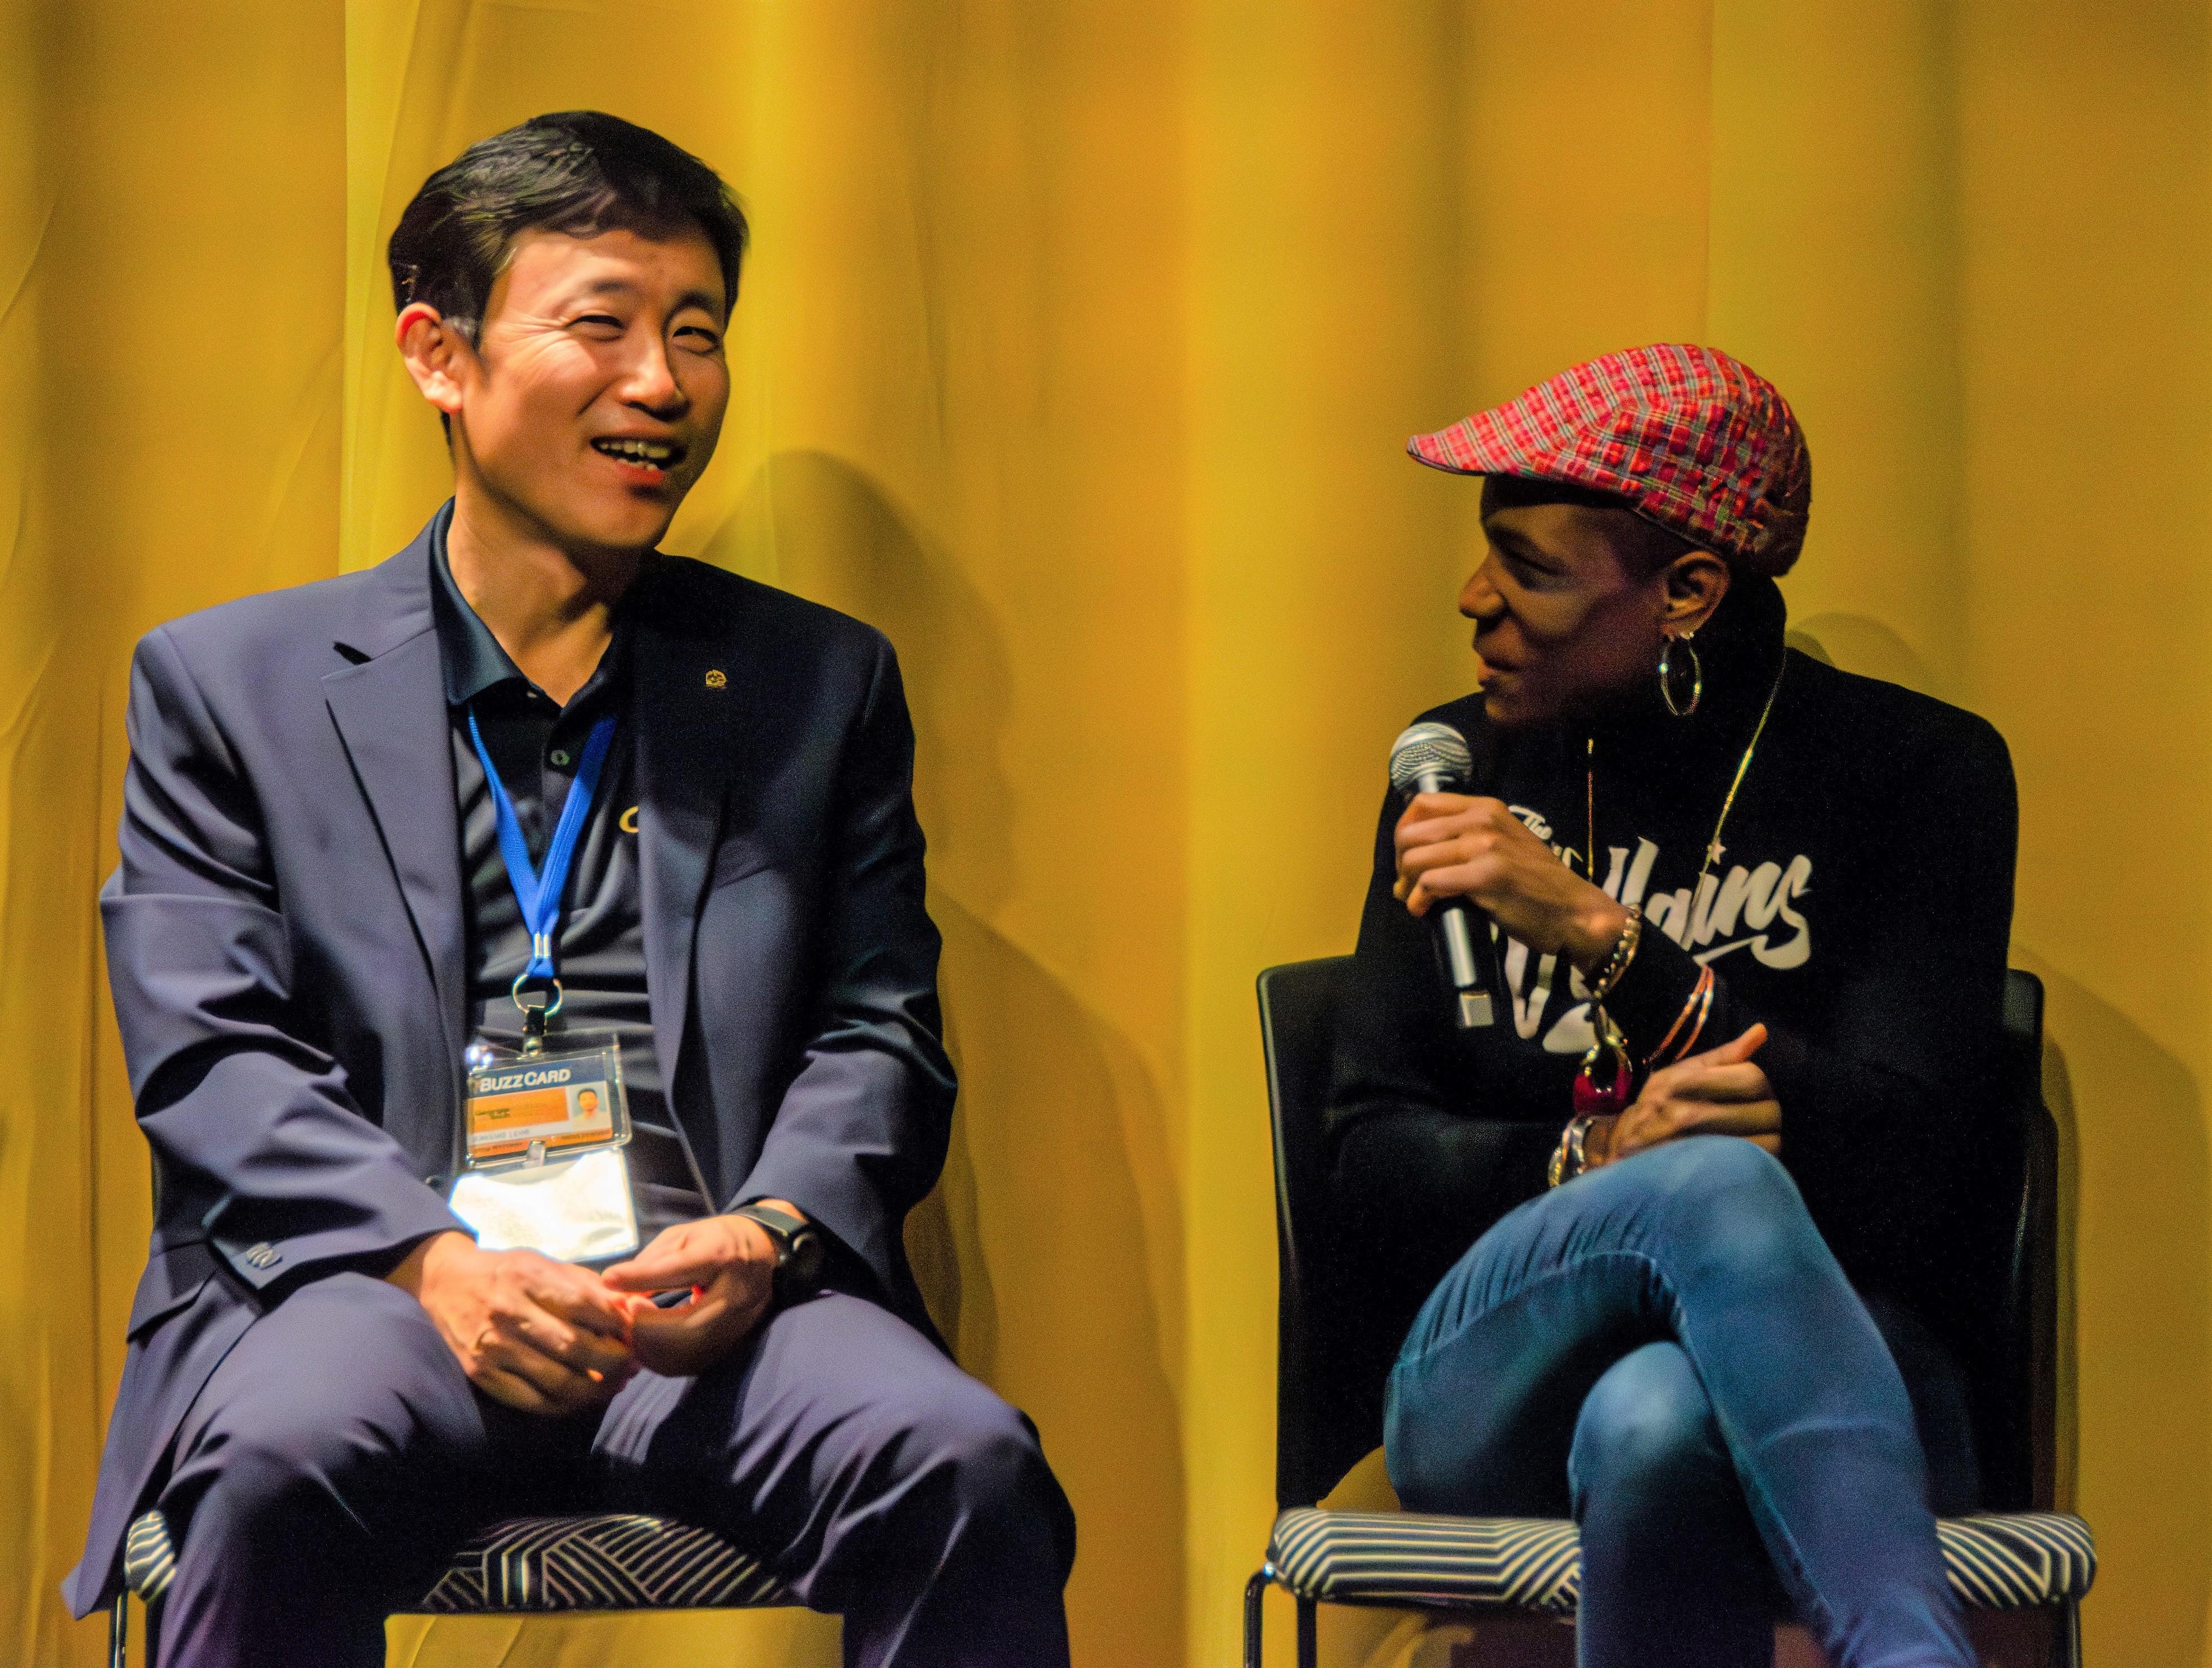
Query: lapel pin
x=715 y=679
x=628 y=821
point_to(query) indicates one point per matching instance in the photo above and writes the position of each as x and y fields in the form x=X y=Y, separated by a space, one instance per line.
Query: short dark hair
x=577 y=171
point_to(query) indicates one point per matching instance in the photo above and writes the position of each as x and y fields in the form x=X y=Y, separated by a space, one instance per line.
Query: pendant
x=1594 y=1099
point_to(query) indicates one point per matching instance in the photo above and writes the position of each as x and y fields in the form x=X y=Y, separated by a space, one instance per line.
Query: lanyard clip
x=539 y=1004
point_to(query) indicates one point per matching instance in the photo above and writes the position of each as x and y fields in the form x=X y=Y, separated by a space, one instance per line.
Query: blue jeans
x=1674 y=1329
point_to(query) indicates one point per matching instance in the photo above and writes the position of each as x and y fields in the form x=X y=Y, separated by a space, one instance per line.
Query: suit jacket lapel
x=389 y=710
x=689 y=699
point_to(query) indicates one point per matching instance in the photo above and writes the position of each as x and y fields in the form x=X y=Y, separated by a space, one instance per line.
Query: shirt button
x=560 y=756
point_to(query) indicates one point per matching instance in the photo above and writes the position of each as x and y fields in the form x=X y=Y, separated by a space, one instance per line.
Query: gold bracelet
x=1577 y=1139
x=1624 y=951
x=1659 y=1055
x=1569 y=1151
x=1704 y=1010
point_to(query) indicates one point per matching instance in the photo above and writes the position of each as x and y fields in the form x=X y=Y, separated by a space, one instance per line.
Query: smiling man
x=520 y=954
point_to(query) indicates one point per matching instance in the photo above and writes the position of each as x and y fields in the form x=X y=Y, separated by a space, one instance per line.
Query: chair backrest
x=1999 y=1314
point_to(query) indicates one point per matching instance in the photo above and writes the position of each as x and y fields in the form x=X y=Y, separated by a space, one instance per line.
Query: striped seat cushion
x=617 y=1561
x=1994 y=1562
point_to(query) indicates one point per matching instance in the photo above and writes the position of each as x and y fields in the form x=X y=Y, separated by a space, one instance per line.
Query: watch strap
x=783 y=1228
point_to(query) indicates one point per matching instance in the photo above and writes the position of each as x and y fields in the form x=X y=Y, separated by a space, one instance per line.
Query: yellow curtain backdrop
x=1078 y=351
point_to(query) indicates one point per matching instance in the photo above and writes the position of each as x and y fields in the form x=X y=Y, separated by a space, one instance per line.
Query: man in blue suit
x=531 y=794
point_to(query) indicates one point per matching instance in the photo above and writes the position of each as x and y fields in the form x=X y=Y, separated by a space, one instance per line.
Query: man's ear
x=1696 y=583
x=435 y=352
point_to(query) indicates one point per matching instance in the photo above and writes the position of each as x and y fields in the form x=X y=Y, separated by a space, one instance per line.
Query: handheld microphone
x=1434 y=758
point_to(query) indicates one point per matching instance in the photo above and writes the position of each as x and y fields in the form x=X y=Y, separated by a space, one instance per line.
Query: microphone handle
x=1474 y=1008
x=1473 y=971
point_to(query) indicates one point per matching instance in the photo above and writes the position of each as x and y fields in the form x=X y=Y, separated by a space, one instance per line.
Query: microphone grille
x=1430 y=749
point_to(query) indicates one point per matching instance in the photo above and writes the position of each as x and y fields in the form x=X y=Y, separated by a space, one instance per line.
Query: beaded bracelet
x=1624 y=951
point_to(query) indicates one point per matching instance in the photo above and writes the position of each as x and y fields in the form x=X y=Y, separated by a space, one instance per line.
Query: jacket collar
x=389 y=705
x=393 y=604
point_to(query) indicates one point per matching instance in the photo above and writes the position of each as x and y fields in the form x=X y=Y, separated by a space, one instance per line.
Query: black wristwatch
x=799 y=1250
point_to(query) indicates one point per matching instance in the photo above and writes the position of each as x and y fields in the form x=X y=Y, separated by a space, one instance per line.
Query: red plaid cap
x=1694 y=441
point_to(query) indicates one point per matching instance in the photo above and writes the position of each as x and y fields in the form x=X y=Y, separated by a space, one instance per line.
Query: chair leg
x=118 y=1629
x=2070 y=1626
x=1256 y=1593
x=1309 y=1635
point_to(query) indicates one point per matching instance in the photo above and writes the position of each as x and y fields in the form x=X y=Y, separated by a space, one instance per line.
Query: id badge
x=543 y=1163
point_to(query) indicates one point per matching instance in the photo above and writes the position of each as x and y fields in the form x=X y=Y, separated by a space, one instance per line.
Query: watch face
x=802 y=1264
x=799 y=1250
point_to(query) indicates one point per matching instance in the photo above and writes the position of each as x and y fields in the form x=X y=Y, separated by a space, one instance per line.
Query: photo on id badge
x=544 y=1168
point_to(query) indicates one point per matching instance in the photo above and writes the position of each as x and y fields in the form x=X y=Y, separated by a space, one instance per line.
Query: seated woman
x=1753 y=914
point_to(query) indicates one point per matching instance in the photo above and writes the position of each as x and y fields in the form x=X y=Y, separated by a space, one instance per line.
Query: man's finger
x=659 y=1272
x=664 y=1324
x=582 y=1352
x=511 y=1388
x=560 y=1386
x=584 y=1301
x=690 y=1339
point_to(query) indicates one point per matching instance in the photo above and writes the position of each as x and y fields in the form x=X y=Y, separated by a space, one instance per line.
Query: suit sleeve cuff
x=830 y=1195
x=262 y=1258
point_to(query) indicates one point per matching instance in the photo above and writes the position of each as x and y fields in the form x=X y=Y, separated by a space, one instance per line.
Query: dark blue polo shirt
x=535 y=743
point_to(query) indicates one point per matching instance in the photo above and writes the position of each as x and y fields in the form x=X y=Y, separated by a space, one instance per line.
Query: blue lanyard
x=539 y=891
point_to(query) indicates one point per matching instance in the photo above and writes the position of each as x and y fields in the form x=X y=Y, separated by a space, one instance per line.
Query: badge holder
x=542 y=1167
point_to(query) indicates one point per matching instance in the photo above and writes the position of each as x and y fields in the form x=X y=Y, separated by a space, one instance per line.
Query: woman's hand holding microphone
x=1453 y=845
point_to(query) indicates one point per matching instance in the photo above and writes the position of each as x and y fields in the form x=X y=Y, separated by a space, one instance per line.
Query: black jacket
x=1862 y=909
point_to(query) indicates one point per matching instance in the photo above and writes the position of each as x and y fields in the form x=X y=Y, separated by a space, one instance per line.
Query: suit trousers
x=1670 y=1341
x=339 y=1455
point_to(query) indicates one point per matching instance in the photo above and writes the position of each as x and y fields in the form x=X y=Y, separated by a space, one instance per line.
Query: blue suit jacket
x=285 y=943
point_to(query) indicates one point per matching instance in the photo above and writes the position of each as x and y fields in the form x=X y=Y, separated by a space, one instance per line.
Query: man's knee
x=316 y=1414
x=980 y=1457
x=264 y=1488
x=1646 y=1436
x=985 y=1444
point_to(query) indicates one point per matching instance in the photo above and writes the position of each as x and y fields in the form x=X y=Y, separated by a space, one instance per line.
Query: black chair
x=1337 y=1342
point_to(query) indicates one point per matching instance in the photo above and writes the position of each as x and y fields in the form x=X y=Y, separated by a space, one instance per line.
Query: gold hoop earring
x=1679 y=707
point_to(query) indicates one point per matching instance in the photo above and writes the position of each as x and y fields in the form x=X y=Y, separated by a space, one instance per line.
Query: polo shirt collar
x=474 y=661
